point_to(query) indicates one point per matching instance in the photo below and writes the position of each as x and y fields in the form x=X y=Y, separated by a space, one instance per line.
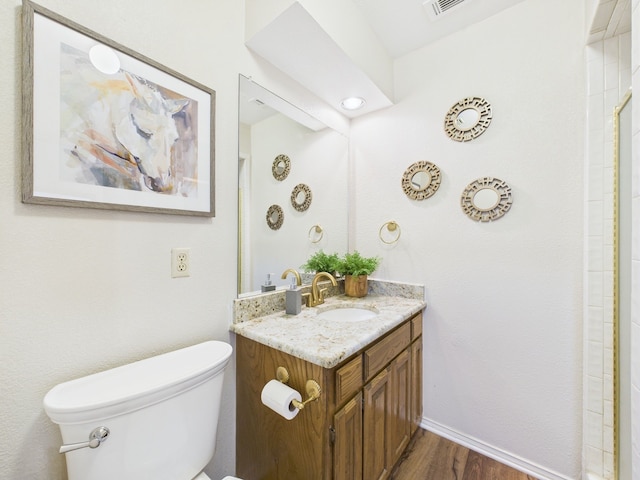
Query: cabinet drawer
x=416 y=326
x=349 y=380
x=378 y=356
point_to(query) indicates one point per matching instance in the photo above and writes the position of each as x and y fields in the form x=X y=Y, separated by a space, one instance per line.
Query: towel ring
x=319 y=233
x=391 y=227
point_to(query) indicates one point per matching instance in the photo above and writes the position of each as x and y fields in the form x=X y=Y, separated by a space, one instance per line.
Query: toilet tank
x=161 y=412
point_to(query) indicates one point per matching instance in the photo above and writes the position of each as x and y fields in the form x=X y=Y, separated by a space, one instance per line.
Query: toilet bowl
x=155 y=418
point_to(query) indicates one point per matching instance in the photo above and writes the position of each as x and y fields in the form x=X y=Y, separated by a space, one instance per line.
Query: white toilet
x=153 y=419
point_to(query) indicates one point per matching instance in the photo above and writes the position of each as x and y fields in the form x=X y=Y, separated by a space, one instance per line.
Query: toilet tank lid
x=135 y=385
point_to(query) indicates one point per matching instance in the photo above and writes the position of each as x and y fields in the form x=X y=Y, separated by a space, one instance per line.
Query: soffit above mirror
x=295 y=43
x=255 y=103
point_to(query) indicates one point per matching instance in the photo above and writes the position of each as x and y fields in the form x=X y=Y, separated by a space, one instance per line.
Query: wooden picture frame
x=117 y=131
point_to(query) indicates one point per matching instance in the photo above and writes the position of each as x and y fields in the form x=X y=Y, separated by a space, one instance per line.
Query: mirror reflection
x=420 y=180
x=486 y=199
x=467 y=119
x=268 y=127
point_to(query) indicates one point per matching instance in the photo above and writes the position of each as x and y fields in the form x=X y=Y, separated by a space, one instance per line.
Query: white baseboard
x=487 y=450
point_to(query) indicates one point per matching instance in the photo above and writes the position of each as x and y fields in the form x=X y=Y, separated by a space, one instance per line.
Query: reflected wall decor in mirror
x=281 y=167
x=301 y=197
x=486 y=199
x=421 y=180
x=275 y=217
x=468 y=119
x=270 y=126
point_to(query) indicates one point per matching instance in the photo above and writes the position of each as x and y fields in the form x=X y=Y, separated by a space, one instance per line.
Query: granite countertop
x=328 y=343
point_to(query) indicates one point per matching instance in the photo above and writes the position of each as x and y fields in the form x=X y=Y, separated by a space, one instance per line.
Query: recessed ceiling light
x=104 y=59
x=352 y=103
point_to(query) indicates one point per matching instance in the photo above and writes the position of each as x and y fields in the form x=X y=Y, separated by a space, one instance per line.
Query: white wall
x=83 y=290
x=503 y=330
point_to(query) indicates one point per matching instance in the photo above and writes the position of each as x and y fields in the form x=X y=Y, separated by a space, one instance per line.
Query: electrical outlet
x=180 y=262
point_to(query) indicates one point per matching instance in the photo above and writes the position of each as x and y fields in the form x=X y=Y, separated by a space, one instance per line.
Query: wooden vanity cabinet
x=370 y=406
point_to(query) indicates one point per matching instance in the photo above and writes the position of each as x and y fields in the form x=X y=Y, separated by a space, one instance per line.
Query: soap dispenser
x=293 y=298
x=268 y=285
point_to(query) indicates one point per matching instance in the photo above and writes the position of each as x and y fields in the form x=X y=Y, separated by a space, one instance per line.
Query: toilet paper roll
x=278 y=396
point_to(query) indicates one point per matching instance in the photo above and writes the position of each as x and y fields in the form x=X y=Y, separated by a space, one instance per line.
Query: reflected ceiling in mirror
x=270 y=126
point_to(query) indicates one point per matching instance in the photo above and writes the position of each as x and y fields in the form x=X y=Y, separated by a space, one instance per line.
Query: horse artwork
x=108 y=128
x=123 y=131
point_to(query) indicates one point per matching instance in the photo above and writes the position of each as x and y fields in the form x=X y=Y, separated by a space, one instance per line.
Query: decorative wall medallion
x=421 y=180
x=275 y=217
x=301 y=197
x=281 y=167
x=468 y=119
x=486 y=199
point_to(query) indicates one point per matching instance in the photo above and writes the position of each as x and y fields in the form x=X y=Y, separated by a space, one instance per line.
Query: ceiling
x=296 y=44
x=406 y=25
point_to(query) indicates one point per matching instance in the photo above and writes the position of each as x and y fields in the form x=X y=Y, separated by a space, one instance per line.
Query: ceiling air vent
x=437 y=8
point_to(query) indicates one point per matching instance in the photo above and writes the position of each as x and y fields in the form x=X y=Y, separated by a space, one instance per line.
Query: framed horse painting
x=105 y=127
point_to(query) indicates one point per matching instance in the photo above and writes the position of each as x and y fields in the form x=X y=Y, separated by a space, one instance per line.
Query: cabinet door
x=416 y=384
x=401 y=404
x=377 y=422
x=347 y=447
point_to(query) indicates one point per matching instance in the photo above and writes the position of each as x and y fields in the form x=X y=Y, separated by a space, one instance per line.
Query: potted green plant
x=356 y=270
x=322 y=262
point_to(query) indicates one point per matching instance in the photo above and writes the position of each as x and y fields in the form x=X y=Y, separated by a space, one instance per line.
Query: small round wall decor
x=486 y=199
x=301 y=197
x=275 y=217
x=281 y=167
x=468 y=119
x=421 y=180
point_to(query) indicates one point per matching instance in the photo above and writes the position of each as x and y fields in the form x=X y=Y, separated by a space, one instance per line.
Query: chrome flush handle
x=96 y=437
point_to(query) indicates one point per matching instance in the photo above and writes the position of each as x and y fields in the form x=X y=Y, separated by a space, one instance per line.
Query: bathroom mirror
x=270 y=126
x=421 y=180
x=468 y=119
x=486 y=199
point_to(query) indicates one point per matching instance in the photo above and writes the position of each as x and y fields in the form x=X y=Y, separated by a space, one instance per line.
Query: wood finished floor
x=430 y=457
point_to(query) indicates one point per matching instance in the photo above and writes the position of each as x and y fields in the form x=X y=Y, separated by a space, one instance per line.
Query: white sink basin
x=348 y=314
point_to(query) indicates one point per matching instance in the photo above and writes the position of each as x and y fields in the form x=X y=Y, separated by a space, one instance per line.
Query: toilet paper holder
x=312 y=387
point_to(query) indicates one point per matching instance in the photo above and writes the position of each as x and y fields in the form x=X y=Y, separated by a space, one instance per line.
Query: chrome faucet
x=316 y=297
x=295 y=273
